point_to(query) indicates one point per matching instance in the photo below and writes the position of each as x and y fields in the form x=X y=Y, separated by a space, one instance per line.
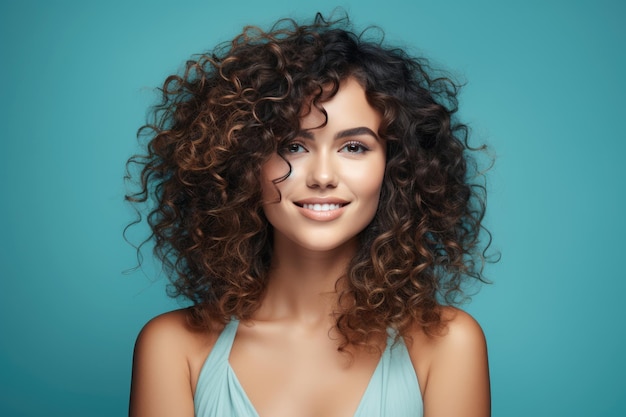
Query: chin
x=320 y=245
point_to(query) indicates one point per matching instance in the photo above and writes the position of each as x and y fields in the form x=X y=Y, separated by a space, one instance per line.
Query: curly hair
x=234 y=107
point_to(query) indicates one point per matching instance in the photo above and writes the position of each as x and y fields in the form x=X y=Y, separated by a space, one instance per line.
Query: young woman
x=314 y=203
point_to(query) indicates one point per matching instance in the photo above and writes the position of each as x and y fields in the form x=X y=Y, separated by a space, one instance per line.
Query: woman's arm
x=457 y=372
x=161 y=378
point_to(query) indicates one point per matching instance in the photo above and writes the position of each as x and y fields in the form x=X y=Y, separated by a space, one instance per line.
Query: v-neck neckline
x=236 y=381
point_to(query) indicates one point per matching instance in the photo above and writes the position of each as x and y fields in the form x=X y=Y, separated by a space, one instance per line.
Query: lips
x=321 y=209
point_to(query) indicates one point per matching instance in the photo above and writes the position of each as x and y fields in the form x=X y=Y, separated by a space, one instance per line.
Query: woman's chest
x=301 y=377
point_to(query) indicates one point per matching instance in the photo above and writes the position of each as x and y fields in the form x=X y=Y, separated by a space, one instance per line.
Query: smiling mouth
x=322 y=207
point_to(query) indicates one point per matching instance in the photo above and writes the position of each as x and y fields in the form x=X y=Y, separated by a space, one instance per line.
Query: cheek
x=369 y=182
x=270 y=191
x=274 y=169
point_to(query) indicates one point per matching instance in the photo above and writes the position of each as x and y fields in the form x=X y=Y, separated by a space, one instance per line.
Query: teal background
x=545 y=89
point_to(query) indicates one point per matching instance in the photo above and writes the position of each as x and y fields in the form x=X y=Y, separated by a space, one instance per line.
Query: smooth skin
x=286 y=357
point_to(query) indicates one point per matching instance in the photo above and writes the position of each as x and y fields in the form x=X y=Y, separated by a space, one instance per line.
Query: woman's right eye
x=294 y=147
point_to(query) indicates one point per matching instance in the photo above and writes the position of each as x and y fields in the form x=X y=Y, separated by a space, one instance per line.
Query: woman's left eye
x=354 y=147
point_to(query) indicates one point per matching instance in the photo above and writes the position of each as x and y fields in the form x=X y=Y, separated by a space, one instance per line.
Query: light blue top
x=393 y=390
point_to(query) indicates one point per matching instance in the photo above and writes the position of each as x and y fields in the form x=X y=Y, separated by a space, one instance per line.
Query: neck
x=302 y=283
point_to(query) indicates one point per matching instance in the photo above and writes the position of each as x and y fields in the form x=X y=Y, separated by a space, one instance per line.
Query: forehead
x=348 y=107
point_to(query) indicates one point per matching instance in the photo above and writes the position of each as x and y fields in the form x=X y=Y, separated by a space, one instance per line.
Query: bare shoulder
x=461 y=331
x=452 y=367
x=164 y=325
x=170 y=335
x=168 y=355
x=170 y=330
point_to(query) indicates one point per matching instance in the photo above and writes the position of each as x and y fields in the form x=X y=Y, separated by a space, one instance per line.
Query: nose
x=321 y=171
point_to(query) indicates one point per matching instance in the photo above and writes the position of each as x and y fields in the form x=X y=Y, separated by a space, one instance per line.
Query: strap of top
x=393 y=390
x=221 y=350
x=218 y=392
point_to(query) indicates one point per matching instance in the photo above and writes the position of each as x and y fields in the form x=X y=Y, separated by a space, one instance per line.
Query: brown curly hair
x=234 y=107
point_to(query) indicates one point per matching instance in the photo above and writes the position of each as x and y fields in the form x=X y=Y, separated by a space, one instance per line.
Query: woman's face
x=336 y=175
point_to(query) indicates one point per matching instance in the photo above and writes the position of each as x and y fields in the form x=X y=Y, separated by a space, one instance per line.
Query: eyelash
x=362 y=147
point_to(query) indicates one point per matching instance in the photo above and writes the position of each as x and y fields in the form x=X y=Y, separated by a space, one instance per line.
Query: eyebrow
x=355 y=131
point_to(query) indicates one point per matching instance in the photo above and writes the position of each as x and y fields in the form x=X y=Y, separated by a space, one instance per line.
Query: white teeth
x=321 y=207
